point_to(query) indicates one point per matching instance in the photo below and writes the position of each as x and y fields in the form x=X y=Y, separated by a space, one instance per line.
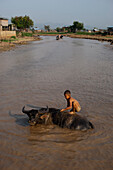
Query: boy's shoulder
x=73 y=99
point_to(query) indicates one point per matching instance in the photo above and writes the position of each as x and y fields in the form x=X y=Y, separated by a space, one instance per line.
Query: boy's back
x=72 y=104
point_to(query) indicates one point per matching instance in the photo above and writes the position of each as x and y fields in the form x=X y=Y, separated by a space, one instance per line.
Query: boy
x=72 y=103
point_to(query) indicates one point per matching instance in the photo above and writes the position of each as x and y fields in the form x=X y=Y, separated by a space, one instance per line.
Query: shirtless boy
x=71 y=102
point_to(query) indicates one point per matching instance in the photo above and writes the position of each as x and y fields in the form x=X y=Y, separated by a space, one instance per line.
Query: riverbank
x=98 y=37
x=6 y=45
x=108 y=38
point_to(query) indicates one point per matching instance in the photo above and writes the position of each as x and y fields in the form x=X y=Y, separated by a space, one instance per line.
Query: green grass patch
x=13 y=37
x=50 y=33
x=4 y=40
x=8 y=40
x=92 y=33
x=26 y=34
x=85 y=33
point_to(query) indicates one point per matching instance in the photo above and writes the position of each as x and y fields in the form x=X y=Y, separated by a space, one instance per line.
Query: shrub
x=13 y=37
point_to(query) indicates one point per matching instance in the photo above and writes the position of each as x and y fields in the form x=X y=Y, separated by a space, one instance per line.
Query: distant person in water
x=72 y=104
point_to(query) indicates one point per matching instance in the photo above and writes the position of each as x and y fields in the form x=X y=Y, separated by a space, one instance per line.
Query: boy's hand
x=71 y=113
x=61 y=110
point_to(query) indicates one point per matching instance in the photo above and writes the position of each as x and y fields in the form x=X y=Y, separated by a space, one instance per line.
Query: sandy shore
x=6 y=46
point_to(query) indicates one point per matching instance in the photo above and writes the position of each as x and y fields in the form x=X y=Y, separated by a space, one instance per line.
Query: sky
x=59 y=13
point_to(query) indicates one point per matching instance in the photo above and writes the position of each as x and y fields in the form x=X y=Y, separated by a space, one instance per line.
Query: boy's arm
x=68 y=107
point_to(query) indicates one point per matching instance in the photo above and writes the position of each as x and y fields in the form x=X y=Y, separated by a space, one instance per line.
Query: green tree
x=47 y=27
x=58 y=29
x=77 y=26
x=80 y=26
x=22 y=22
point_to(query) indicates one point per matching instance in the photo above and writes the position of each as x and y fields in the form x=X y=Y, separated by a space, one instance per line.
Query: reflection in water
x=37 y=74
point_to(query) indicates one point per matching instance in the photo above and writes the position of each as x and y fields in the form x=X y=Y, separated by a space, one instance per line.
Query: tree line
x=25 y=22
x=72 y=28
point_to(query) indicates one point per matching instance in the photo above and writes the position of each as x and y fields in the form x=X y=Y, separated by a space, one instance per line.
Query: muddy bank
x=5 y=46
x=108 y=38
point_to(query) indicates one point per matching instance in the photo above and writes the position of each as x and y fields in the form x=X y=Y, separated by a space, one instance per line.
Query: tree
x=58 y=29
x=22 y=22
x=47 y=27
x=72 y=28
x=77 y=26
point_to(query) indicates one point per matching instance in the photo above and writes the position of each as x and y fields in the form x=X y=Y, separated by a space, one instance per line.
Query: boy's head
x=67 y=94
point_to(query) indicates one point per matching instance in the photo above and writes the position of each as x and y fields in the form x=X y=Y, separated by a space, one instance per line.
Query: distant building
x=89 y=31
x=110 y=30
x=95 y=30
x=6 y=31
x=12 y=27
x=3 y=24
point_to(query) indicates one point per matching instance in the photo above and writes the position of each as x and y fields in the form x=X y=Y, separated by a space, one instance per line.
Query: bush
x=13 y=37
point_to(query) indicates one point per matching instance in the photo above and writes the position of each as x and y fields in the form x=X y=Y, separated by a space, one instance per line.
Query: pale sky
x=93 y=13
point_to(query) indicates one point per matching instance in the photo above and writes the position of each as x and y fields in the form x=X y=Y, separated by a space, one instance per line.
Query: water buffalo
x=59 y=37
x=54 y=116
x=111 y=42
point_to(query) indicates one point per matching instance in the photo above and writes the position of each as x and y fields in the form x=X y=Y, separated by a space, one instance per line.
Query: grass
x=77 y=33
x=13 y=38
x=4 y=40
x=92 y=33
x=85 y=33
x=26 y=34
x=50 y=33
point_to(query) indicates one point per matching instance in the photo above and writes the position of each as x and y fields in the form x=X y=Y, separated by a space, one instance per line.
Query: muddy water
x=38 y=74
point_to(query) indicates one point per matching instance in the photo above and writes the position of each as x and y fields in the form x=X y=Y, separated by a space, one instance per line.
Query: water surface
x=38 y=74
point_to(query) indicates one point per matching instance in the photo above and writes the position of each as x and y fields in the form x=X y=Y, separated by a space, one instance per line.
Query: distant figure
x=72 y=104
x=111 y=42
x=57 y=37
x=61 y=36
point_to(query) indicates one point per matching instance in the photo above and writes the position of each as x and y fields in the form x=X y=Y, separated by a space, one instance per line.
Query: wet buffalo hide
x=54 y=116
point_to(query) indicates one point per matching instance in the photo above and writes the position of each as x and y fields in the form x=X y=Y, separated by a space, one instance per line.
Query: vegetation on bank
x=72 y=28
x=92 y=33
x=22 y=22
x=50 y=33
x=26 y=34
x=13 y=38
x=77 y=33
